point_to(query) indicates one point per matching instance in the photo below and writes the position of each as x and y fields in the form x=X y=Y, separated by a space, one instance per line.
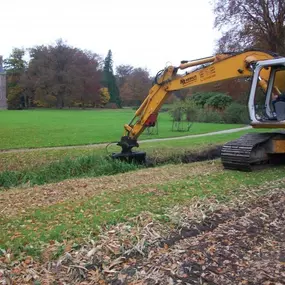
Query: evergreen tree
x=15 y=66
x=109 y=80
x=15 y=63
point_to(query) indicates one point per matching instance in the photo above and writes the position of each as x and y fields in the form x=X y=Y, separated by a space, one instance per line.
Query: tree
x=136 y=87
x=250 y=24
x=15 y=66
x=104 y=96
x=88 y=75
x=201 y=98
x=15 y=63
x=62 y=76
x=109 y=80
x=122 y=72
x=219 y=101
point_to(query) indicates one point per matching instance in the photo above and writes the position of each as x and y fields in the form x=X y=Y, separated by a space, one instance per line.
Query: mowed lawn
x=47 y=128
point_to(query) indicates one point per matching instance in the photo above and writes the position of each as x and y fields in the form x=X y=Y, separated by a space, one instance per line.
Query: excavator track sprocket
x=249 y=151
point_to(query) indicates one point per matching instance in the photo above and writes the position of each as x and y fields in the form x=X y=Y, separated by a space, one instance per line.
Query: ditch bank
x=213 y=152
x=96 y=166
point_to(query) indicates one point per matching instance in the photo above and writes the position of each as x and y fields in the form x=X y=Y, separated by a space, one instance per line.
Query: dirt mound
x=211 y=153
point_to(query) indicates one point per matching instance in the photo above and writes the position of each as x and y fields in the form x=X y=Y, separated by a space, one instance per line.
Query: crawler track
x=248 y=151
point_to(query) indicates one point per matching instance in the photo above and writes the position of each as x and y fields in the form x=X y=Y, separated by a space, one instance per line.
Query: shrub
x=191 y=110
x=236 y=114
x=200 y=98
x=219 y=101
x=111 y=105
x=176 y=112
x=215 y=100
x=224 y=111
x=14 y=98
x=104 y=96
x=184 y=110
x=209 y=116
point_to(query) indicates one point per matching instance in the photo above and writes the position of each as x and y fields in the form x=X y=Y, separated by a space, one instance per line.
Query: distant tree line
x=61 y=76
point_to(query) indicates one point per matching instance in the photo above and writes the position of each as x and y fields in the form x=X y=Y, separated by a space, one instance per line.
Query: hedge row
x=217 y=108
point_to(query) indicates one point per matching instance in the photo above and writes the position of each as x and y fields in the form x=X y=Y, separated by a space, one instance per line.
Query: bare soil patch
x=210 y=153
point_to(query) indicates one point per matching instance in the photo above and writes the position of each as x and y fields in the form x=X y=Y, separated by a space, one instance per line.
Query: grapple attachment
x=127 y=154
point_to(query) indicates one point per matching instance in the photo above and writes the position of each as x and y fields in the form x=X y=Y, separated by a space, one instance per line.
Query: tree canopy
x=63 y=75
x=15 y=63
x=135 y=86
x=250 y=24
x=56 y=76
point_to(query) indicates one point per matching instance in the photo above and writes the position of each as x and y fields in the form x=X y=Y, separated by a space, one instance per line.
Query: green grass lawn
x=33 y=159
x=47 y=128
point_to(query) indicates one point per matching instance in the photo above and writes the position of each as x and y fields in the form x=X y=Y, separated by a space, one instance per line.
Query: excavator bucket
x=137 y=157
x=127 y=155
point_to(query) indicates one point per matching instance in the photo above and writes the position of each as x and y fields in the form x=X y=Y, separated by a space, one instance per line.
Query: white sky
x=148 y=34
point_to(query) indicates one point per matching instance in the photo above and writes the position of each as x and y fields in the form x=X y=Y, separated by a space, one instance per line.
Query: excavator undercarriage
x=254 y=150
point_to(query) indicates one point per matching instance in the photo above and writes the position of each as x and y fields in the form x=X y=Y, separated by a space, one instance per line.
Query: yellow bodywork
x=278 y=146
x=220 y=67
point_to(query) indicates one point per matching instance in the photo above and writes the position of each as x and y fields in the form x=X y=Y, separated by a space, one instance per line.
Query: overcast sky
x=149 y=33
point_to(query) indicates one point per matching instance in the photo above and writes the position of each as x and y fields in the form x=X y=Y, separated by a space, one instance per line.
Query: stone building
x=3 y=99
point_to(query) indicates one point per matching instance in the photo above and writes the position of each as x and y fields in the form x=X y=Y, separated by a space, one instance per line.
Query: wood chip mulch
x=236 y=242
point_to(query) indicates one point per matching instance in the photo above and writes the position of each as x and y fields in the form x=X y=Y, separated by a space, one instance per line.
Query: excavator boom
x=204 y=71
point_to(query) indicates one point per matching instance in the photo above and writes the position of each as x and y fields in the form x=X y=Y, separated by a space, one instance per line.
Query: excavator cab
x=262 y=148
x=279 y=110
x=274 y=93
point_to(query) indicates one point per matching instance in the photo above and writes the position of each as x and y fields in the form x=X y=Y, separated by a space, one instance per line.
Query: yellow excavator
x=265 y=70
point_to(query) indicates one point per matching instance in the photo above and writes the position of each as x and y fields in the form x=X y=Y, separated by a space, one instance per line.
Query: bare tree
x=122 y=72
x=135 y=87
x=250 y=24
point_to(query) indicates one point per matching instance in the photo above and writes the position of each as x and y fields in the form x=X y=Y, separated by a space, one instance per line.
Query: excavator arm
x=206 y=70
x=220 y=67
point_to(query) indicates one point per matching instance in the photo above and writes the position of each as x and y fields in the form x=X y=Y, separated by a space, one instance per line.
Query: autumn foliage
x=57 y=76
x=62 y=76
x=104 y=96
x=135 y=84
x=250 y=24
